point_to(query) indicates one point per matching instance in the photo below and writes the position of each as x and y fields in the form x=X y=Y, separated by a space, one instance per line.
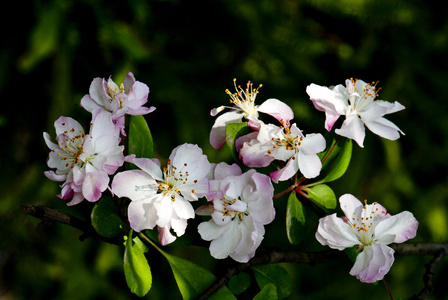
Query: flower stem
x=388 y=288
x=331 y=150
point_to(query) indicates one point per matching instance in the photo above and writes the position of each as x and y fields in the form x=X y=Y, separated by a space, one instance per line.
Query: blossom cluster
x=236 y=204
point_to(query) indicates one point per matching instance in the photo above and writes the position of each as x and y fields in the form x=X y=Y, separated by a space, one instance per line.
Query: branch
x=263 y=256
x=267 y=256
x=50 y=215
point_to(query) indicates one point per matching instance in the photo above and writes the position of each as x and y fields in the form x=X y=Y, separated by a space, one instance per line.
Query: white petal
x=353 y=128
x=336 y=233
x=384 y=128
x=403 y=226
x=224 y=245
x=277 y=109
x=350 y=205
x=142 y=215
x=373 y=263
x=309 y=164
x=135 y=185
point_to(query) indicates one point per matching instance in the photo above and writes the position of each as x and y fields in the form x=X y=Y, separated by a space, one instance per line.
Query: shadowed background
x=188 y=53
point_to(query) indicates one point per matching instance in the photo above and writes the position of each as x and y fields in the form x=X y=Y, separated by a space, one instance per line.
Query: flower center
x=174 y=179
x=365 y=223
x=289 y=141
x=113 y=92
x=361 y=96
x=73 y=147
x=235 y=212
x=244 y=99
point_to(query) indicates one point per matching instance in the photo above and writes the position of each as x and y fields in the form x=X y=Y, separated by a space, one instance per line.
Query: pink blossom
x=244 y=107
x=128 y=98
x=83 y=161
x=356 y=101
x=162 y=197
x=240 y=205
x=371 y=229
x=287 y=144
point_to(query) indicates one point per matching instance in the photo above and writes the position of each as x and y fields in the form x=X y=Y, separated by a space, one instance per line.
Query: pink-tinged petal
x=77 y=198
x=150 y=166
x=138 y=95
x=165 y=236
x=385 y=129
x=286 y=172
x=224 y=170
x=309 y=164
x=248 y=138
x=373 y=263
x=97 y=91
x=328 y=101
x=142 y=215
x=141 y=111
x=135 y=185
x=88 y=103
x=353 y=128
x=277 y=109
x=128 y=81
x=335 y=233
x=94 y=185
x=218 y=131
x=350 y=205
x=55 y=177
x=255 y=154
x=402 y=226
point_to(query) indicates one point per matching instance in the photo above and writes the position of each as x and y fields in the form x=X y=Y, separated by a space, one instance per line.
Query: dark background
x=188 y=53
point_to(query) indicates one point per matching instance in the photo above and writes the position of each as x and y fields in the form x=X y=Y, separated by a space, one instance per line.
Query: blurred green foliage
x=188 y=52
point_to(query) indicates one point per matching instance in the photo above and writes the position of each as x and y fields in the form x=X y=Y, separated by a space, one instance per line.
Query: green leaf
x=323 y=196
x=239 y=283
x=191 y=279
x=337 y=161
x=265 y=274
x=140 y=140
x=268 y=292
x=295 y=219
x=136 y=268
x=105 y=218
x=234 y=131
x=222 y=294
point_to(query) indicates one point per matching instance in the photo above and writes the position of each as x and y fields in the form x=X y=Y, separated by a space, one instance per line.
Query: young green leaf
x=234 y=131
x=136 y=268
x=322 y=195
x=140 y=140
x=268 y=292
x=105 y=218
x=265 y=274
x=338 y=161
x=191 y=279
x=295 y=219
x=239 y=283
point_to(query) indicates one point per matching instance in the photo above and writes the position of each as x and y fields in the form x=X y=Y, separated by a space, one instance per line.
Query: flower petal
x=373 y=263
x=403 y=226
x=353 y=128
x=335 y=233
x=276 y=108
